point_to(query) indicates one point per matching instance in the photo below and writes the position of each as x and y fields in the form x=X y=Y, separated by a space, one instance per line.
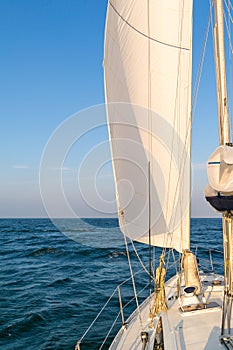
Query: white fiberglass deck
x=199 y=329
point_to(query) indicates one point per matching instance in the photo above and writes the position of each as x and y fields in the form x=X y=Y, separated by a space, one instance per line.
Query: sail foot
x=227 y=326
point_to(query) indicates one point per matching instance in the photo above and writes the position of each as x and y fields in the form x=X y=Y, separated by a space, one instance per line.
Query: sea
x=56 y=276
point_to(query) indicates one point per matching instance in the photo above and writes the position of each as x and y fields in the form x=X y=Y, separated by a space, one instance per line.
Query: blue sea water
x=52 y=285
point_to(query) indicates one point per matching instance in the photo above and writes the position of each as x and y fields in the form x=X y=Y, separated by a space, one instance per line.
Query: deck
x=198 y=329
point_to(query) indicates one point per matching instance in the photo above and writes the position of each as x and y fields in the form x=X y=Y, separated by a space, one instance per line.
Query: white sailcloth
x=147 y=65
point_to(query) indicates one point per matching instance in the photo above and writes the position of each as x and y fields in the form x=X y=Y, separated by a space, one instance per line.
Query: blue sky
x=50 y=68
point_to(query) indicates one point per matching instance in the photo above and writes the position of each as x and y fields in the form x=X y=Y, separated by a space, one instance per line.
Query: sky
x=51 y=69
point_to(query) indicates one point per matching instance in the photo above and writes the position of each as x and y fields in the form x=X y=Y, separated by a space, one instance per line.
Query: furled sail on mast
x=148 y=66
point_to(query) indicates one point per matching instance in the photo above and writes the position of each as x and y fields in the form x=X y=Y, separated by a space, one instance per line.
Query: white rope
x=154 y=259
x=133 y=282
x=228 y=10
x=188 y=130
x=200 y=67
x=107 y=335
x=140 y=292
x=166 y=264
x=140 y=260
x=92 y=323
x=230 y=5
x=228 y=33
x=175 y=118
x=129 y=278
x=175 y=261
x=231 y=87
x=127 y=304
x=77 y=347
x=227 y=23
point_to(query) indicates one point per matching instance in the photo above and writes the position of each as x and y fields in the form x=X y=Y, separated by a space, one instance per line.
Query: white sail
x=147 y=65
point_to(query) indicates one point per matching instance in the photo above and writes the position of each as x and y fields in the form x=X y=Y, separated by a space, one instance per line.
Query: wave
x=44 y=251
x=117 y=254
x=51 y=286
x=24 y=324
x=60 y=281
x=76 y=230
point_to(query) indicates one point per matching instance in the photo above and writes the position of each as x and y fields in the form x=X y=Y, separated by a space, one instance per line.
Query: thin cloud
x=20 y=166
x=64 y=168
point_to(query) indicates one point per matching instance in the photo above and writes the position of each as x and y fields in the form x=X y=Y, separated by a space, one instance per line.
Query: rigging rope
x=230 y=4
x=218 y=85
x=111 y=328
x=228 y=33
x=133 y=282
x=228 y=9
x=200 y=67
x=175 y=118
x=150 y=163
x=195 y=95
x=231 y=87
x=230 y=51
x=140 y=260
x=92 y=323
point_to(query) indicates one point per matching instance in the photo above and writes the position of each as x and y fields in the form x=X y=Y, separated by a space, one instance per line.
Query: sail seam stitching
x=146 y=36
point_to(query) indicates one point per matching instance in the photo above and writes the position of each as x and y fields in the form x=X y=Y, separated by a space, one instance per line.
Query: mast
x=224 y=139
x=220 y=66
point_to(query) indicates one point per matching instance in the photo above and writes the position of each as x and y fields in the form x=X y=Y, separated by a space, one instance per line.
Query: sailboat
x=148 y=88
